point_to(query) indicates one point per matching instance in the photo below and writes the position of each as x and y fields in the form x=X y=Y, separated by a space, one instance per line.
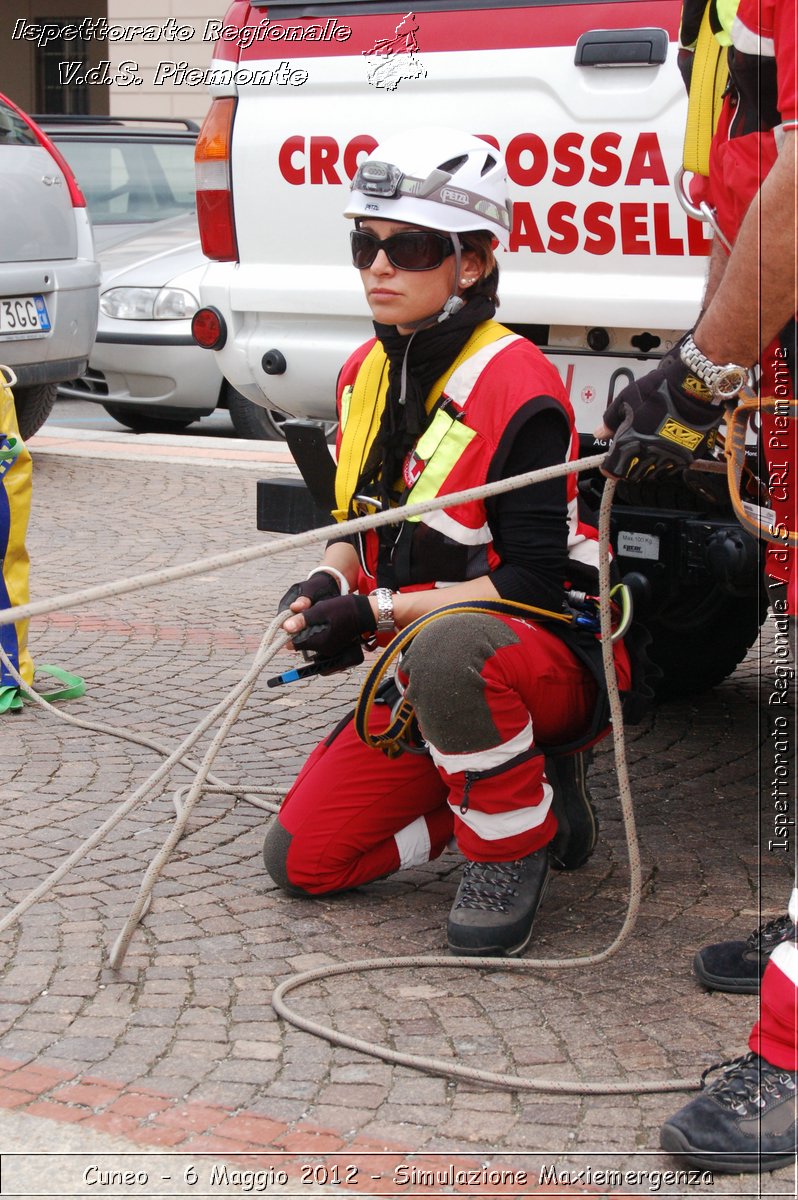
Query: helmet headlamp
x=375 y=178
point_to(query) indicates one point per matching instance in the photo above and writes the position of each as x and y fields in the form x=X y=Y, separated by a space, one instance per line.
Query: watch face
x=730 y=381
x=708 y=381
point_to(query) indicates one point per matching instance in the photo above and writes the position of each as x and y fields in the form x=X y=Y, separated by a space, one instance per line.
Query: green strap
x=10 y=699
x=75 y=685
x=13 y=698
x=12 y=449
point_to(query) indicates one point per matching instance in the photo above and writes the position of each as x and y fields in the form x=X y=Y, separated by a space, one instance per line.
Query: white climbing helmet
x=435 y=177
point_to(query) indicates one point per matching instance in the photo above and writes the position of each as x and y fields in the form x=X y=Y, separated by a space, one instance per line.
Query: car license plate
x=23 y=314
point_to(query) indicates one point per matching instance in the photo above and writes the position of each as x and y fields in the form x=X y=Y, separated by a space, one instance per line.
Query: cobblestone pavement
x=180 y=1049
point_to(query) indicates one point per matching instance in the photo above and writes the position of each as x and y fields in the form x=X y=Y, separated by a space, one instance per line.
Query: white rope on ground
x=233 y=704
x=178 y=755
x=199 y=567
x=251 y=794
x=448 y=962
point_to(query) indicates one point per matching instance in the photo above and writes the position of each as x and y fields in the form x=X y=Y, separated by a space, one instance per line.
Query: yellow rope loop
x=390 y=740
x=751 y=517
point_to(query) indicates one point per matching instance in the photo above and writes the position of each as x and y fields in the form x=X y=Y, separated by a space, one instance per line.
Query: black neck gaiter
x=429 y=352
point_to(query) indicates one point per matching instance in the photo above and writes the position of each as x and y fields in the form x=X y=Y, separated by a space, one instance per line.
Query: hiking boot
x=739 y=966
x=496 y=904
x=744 y=1121
x=572 y=805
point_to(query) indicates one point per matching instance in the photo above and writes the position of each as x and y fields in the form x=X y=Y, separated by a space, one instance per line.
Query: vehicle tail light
x=214 y=182
x=208 y=328
x=75 y=194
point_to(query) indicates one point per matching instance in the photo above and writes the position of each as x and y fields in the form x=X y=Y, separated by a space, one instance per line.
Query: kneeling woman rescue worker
x=443 y=399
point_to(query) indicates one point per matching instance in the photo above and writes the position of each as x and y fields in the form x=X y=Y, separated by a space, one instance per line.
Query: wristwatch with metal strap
x=385 y=617
x=724 y=382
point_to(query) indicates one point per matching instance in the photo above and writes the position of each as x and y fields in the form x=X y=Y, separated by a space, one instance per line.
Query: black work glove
x=332 y=625
x=661 y=423
x=319 y=586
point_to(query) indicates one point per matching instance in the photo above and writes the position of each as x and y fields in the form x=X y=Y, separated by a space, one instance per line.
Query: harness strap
x=710 y=72
x=751 y=516
x=390 y=740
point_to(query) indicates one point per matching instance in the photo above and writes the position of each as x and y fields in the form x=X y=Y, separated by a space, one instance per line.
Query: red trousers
x=489 y=693
x=775 y=1035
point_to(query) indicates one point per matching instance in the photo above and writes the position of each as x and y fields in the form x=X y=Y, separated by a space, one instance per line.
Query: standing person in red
x=746 y=1119
x=445 y=398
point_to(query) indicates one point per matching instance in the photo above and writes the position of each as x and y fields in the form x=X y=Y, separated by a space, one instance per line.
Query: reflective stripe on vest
x=445 y=441
x=346 y=400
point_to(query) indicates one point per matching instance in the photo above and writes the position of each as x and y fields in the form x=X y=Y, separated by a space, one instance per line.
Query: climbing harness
x=228 y=710
x=709 y=76
x=395 y=738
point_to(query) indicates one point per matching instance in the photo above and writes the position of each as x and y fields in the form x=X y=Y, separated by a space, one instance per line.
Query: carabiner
x=699 y=212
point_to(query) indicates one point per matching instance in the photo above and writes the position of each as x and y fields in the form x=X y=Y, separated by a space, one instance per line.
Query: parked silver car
x=145 y=368
x=49 y=276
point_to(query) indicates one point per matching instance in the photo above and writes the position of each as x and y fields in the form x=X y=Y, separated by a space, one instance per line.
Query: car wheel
x=700 y=641
x=33 y=405
x=252 y=421
x=148 y=420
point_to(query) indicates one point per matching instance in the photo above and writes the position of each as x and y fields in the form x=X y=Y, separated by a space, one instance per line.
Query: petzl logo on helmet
x=450 y=196
x=682 y=435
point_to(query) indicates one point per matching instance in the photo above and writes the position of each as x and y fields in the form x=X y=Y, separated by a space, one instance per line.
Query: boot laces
x=490 y=887
x=747 y=1082
x=771 y=933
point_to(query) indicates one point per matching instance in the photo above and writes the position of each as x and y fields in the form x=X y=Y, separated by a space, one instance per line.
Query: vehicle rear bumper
x=32 y=374
x=138 y=371
x=71 y=293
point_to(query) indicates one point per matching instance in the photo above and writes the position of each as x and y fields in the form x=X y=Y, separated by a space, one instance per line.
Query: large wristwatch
x=385 y=617
x=724 y=382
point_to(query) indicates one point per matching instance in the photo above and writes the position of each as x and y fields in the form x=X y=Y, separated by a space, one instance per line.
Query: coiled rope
x=273 y=641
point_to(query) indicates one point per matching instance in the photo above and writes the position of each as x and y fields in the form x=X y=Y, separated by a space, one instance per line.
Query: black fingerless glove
x=331 y=625
x=663 y=421
x=321 y=585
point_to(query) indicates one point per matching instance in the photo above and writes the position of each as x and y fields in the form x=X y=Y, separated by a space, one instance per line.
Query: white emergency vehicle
x=604 y=271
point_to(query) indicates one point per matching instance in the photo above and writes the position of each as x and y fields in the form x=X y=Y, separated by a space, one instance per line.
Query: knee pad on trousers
x=444 y=666
x=276 y=845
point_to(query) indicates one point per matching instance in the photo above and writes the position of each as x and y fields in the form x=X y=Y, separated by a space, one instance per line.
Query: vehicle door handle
x=622 y=48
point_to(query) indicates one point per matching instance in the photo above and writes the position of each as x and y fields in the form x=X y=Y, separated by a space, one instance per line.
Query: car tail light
x=75 y=194
x=214 y=182
x=208 y=328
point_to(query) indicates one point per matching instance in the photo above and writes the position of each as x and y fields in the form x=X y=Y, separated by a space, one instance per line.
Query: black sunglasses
x=412 y=251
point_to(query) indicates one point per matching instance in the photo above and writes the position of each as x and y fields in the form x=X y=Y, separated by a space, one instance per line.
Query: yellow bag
x=16 y=471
